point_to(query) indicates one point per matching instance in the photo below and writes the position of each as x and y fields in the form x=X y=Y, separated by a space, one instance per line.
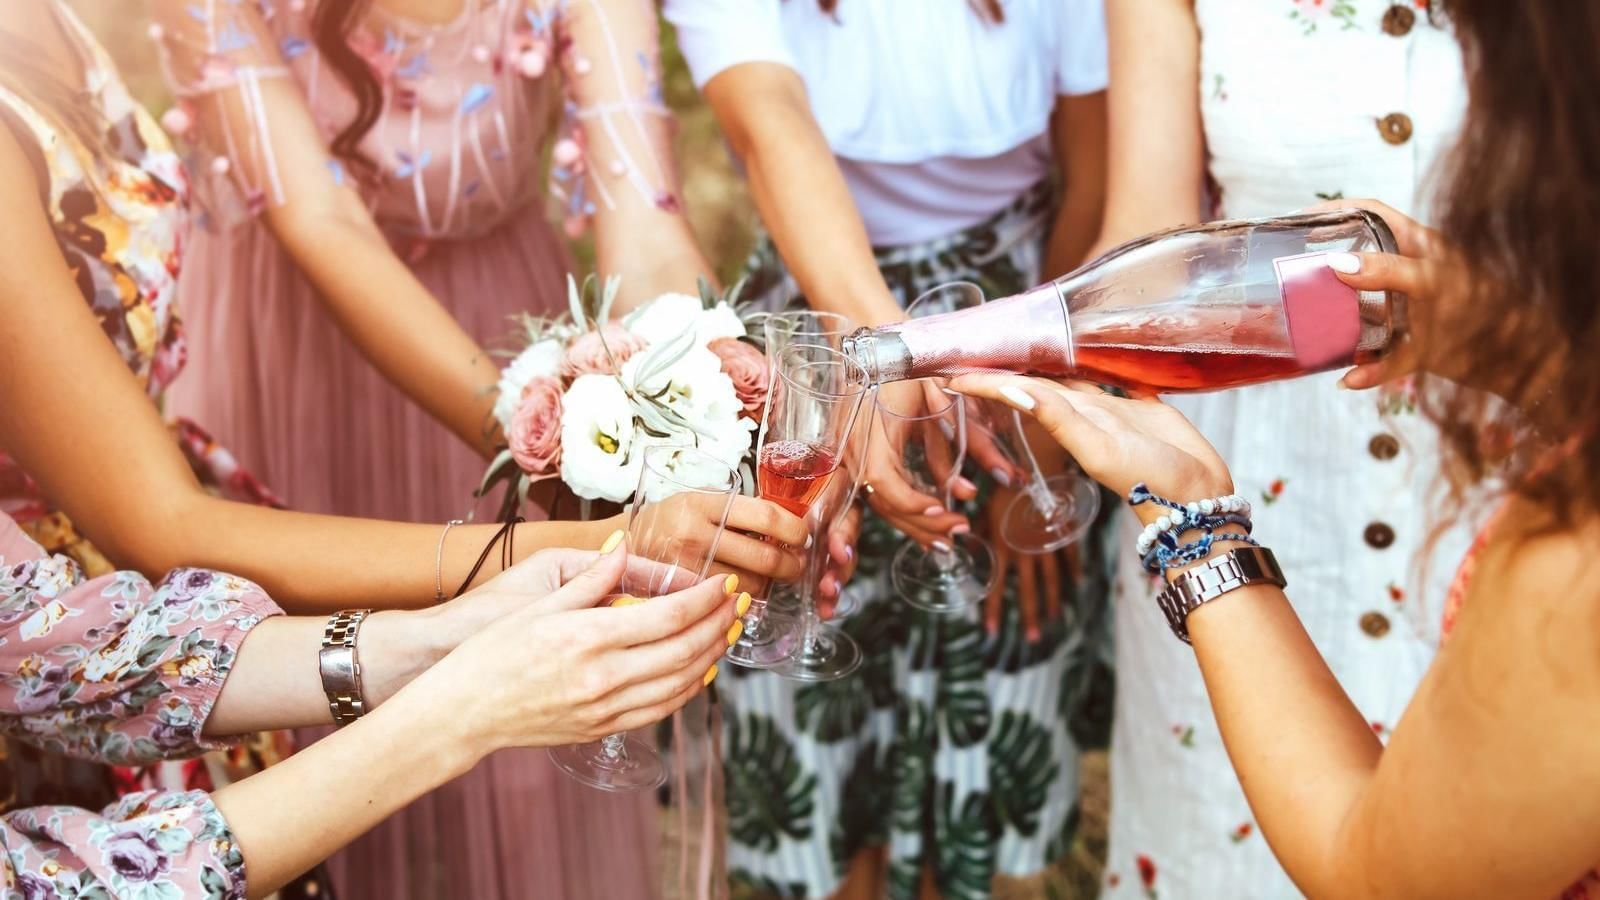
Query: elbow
x=157 y=540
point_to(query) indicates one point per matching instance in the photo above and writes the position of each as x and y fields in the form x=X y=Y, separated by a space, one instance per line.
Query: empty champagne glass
x=1049 y=513
x=678 y=487
x=930 y=445
x=805 y=434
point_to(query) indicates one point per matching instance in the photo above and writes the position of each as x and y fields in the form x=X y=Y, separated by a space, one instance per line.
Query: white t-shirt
x=939 y=118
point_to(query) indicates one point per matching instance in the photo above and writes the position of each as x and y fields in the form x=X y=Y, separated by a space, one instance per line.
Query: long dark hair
x=989 y=9
x=1520 y=210
x=332 y=25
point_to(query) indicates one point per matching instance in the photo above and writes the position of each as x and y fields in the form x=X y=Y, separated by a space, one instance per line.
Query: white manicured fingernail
x=1001 y=475
x=1346 y=263
x=807 y=545
x=1017 y=397
x=941 y=546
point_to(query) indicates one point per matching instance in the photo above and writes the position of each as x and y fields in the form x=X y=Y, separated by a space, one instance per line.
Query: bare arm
x=1078 y=133
x=1157 y=153
x=1487 y=787
x=800 y=191
x=640 y=232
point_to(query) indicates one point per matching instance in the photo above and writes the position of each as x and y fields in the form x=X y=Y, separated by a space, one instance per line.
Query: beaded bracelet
x=1184 y=516
x=1158 y=545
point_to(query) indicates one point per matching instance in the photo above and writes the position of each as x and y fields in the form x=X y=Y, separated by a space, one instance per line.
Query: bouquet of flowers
x=586 y=396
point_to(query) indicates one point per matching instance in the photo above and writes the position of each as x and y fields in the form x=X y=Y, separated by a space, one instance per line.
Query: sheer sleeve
x=145 y=845
x=115 y=669
x=617 y=147
x=237 y=105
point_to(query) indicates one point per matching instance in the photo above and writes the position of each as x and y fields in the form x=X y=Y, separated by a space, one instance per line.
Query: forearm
x=1261 y=671
x=391 y=318
x=807 y=209
x=294 y=814
x=319 y=564
x=276 y=683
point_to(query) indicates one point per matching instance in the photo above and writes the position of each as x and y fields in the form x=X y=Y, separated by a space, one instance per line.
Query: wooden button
x=1399 y=19
x=1374 y=624
x=1395 y=128
x=1384 y=446
x=1378 y=535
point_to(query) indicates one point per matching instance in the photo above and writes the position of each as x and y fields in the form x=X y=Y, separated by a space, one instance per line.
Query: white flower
x=45 y=619
x=669 y=315
x=721 y=321
x=542 y=358
x=597 y=440
x=697 y=390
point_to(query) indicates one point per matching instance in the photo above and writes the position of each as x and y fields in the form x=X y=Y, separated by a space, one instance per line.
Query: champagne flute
x=805 y=434
x=677 y=487
x=772 y=627
x=1050 y=512
x=931 y=446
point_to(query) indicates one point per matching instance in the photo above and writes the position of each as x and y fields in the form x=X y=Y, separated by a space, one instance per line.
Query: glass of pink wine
x=805 y=434
x=680 y=489
x=1050 y=512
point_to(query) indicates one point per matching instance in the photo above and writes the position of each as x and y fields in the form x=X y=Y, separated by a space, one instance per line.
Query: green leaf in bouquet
x=608 y=298
x=497 y=472
x=665 y=355
x=575 y=300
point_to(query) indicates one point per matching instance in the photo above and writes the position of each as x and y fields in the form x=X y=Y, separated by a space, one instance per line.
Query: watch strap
x=340 y=666
x=1219 y=575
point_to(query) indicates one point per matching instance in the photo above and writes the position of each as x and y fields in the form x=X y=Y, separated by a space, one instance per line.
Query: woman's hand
x=1423 y=271
x=921 y=516
x=1118 y=442
x=560 y=671
x=1038 y=574
x=762 y=541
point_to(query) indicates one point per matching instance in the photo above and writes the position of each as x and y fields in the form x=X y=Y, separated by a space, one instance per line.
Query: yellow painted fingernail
x=711 y=675
x=611 y=542
x=730 y=584
x=742 y=606
x=627 y=600
x=734 y=630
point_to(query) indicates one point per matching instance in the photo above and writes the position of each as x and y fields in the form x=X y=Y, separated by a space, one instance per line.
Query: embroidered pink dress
x=469 y=109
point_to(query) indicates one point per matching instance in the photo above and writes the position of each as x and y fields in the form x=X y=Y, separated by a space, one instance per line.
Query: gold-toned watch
x=341 y=667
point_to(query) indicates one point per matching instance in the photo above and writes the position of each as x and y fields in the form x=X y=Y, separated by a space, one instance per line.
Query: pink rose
x=535 y=434
x=586 y=355
x=747 y=366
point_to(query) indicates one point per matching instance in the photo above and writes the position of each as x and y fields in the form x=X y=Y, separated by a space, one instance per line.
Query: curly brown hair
x=1520 y=205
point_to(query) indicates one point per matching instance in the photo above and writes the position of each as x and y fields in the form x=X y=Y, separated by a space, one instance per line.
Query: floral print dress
x=120 y=671
x=120 y=218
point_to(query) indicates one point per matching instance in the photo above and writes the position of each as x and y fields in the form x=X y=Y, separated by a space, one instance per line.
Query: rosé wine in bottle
x=1193 y=309
x=792 y=473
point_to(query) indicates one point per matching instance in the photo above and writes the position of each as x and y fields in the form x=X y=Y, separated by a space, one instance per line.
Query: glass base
x=828 y=656
x=944 y=583
x=772 y=644
x=1028 y=529
x=627 y=765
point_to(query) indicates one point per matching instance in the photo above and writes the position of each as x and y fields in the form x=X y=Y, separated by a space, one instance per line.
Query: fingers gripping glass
x=1050 y=512
x=680 y=489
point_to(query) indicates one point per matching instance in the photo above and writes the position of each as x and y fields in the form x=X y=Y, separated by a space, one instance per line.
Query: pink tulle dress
x=470 y=108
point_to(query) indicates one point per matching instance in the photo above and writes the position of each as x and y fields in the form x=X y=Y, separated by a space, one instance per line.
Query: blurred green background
x=714 y=195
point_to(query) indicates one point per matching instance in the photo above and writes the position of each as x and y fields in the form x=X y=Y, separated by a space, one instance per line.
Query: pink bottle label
x=1323 y=313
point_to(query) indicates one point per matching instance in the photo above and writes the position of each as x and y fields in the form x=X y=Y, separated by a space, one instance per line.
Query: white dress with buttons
x=1302 y=100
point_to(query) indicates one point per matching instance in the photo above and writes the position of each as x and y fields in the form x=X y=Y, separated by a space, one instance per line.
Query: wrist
x=450 y=745
x=396 y=646
x=1182 y=490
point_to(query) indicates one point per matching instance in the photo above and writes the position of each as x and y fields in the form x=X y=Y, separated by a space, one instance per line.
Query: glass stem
x=1038 y=490
x=614 y=747
x=810 y=622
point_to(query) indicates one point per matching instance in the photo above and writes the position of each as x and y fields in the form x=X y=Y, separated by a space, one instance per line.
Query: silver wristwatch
x=340 y=667
x=1211 y=579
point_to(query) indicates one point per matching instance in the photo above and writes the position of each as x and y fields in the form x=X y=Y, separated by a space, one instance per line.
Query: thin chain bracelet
x=438 y=562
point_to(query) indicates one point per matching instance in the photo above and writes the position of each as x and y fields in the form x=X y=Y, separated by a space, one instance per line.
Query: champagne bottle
x=1192 y=309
